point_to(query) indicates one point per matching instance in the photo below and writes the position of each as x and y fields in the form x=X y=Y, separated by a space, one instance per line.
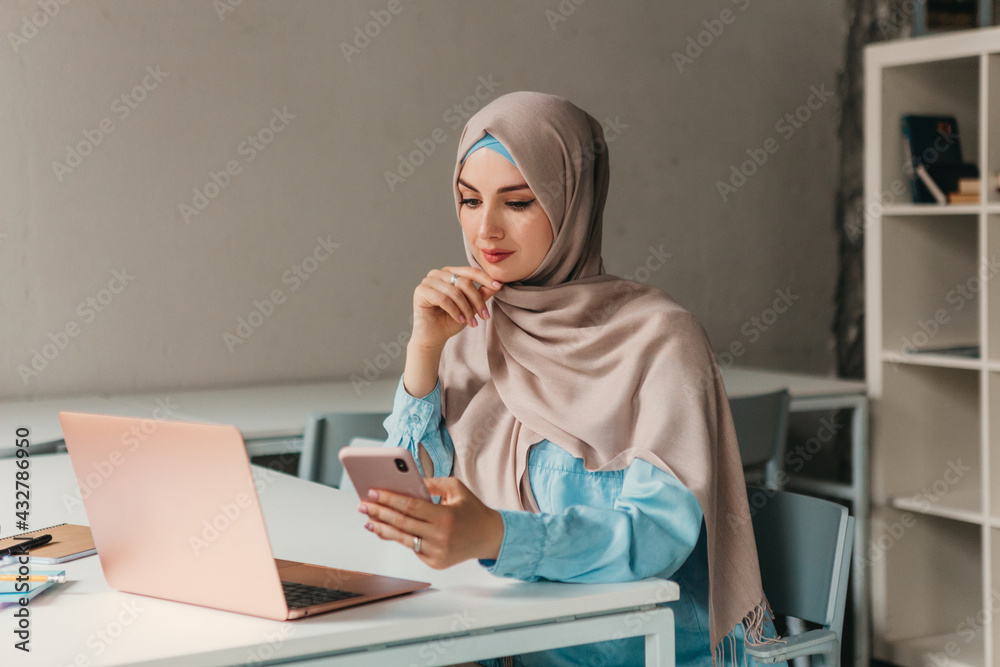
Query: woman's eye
x=520 y=205
x=471 y=203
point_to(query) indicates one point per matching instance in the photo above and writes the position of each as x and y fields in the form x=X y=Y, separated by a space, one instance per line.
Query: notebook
x=9 y=590
x=69 y=542
x=179 y=518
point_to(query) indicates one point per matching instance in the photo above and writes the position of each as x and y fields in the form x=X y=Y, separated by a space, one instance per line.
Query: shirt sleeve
x=415 y=421
x=651 y=530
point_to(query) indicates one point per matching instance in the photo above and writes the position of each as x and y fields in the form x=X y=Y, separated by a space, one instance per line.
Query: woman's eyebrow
x=507 y=188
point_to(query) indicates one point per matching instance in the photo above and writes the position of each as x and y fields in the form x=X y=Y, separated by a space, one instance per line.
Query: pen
x=25 y=546
x=59 y=578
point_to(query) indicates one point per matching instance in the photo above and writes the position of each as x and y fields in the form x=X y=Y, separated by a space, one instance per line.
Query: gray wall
x=66 y=228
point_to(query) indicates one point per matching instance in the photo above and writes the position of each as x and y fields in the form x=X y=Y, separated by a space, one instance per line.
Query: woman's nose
x=488 y=224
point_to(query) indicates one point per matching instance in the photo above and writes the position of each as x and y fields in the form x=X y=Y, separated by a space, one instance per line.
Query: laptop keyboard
x=303 y=595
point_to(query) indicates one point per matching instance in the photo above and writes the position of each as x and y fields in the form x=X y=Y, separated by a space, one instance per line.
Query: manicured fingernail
x=373 y=494
x=486 y=314
x=363 y=508
x=474 y=322
x=461 y=318
x=496 y=284
x=369 y=526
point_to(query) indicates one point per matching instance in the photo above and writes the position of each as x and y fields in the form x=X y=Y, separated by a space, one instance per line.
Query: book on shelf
x=968 y=186
x=932 y=153
x=932 y=187
x=941 y=15
x=959 y=198
x=964 y=351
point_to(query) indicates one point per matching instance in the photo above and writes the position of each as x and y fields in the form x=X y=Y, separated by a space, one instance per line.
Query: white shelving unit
x=934 y=553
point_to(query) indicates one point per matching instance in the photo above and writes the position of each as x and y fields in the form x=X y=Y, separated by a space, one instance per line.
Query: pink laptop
x=175 y=515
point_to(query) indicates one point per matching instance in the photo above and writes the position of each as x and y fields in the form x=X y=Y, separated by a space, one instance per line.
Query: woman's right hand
x=441 y=310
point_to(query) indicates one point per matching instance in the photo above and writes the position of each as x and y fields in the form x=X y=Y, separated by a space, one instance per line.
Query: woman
x=573 y=423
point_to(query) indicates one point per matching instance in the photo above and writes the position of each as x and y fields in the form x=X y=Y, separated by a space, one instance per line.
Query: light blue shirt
x=618 y=525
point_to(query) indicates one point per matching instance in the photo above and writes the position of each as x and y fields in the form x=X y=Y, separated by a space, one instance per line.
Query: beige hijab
x=608 y=369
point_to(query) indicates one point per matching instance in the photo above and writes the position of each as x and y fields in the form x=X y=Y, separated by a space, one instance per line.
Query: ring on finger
x=416 y=544
x=454 y=278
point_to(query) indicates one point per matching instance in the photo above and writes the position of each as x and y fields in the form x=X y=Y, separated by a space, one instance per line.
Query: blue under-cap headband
x=491 y=142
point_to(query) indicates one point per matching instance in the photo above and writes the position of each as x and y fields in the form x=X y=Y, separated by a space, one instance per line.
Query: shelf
x=933 y=572
x=992 y=161
x=934 y=209
x=935 y=417
x=989 y=268
x=927 y=264
x=960 y=505
x=948 y=87
x=995 y=574
x=927 y=428
x=939 y=360
x=925 y=651
x=993 y=426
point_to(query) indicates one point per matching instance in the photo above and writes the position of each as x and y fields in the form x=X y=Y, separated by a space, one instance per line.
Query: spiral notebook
x=69 y=542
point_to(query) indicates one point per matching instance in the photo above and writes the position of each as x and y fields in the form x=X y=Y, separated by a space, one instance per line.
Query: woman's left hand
x=459 y=528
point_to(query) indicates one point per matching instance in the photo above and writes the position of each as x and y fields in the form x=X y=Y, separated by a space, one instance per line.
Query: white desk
x=279 y=412
x=467 y=615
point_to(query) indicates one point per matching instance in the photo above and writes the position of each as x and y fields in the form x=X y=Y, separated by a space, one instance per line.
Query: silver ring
x=416 y=545
x=454 y=278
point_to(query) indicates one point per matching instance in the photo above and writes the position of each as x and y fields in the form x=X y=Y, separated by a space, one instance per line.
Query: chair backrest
x=804 y=546
x=761 y=423
x=326 y=433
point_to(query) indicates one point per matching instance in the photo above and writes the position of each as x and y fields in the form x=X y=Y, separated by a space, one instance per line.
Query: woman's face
x=504 y=224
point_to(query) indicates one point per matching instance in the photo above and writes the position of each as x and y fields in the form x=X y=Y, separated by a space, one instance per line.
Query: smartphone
x=384 y=468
